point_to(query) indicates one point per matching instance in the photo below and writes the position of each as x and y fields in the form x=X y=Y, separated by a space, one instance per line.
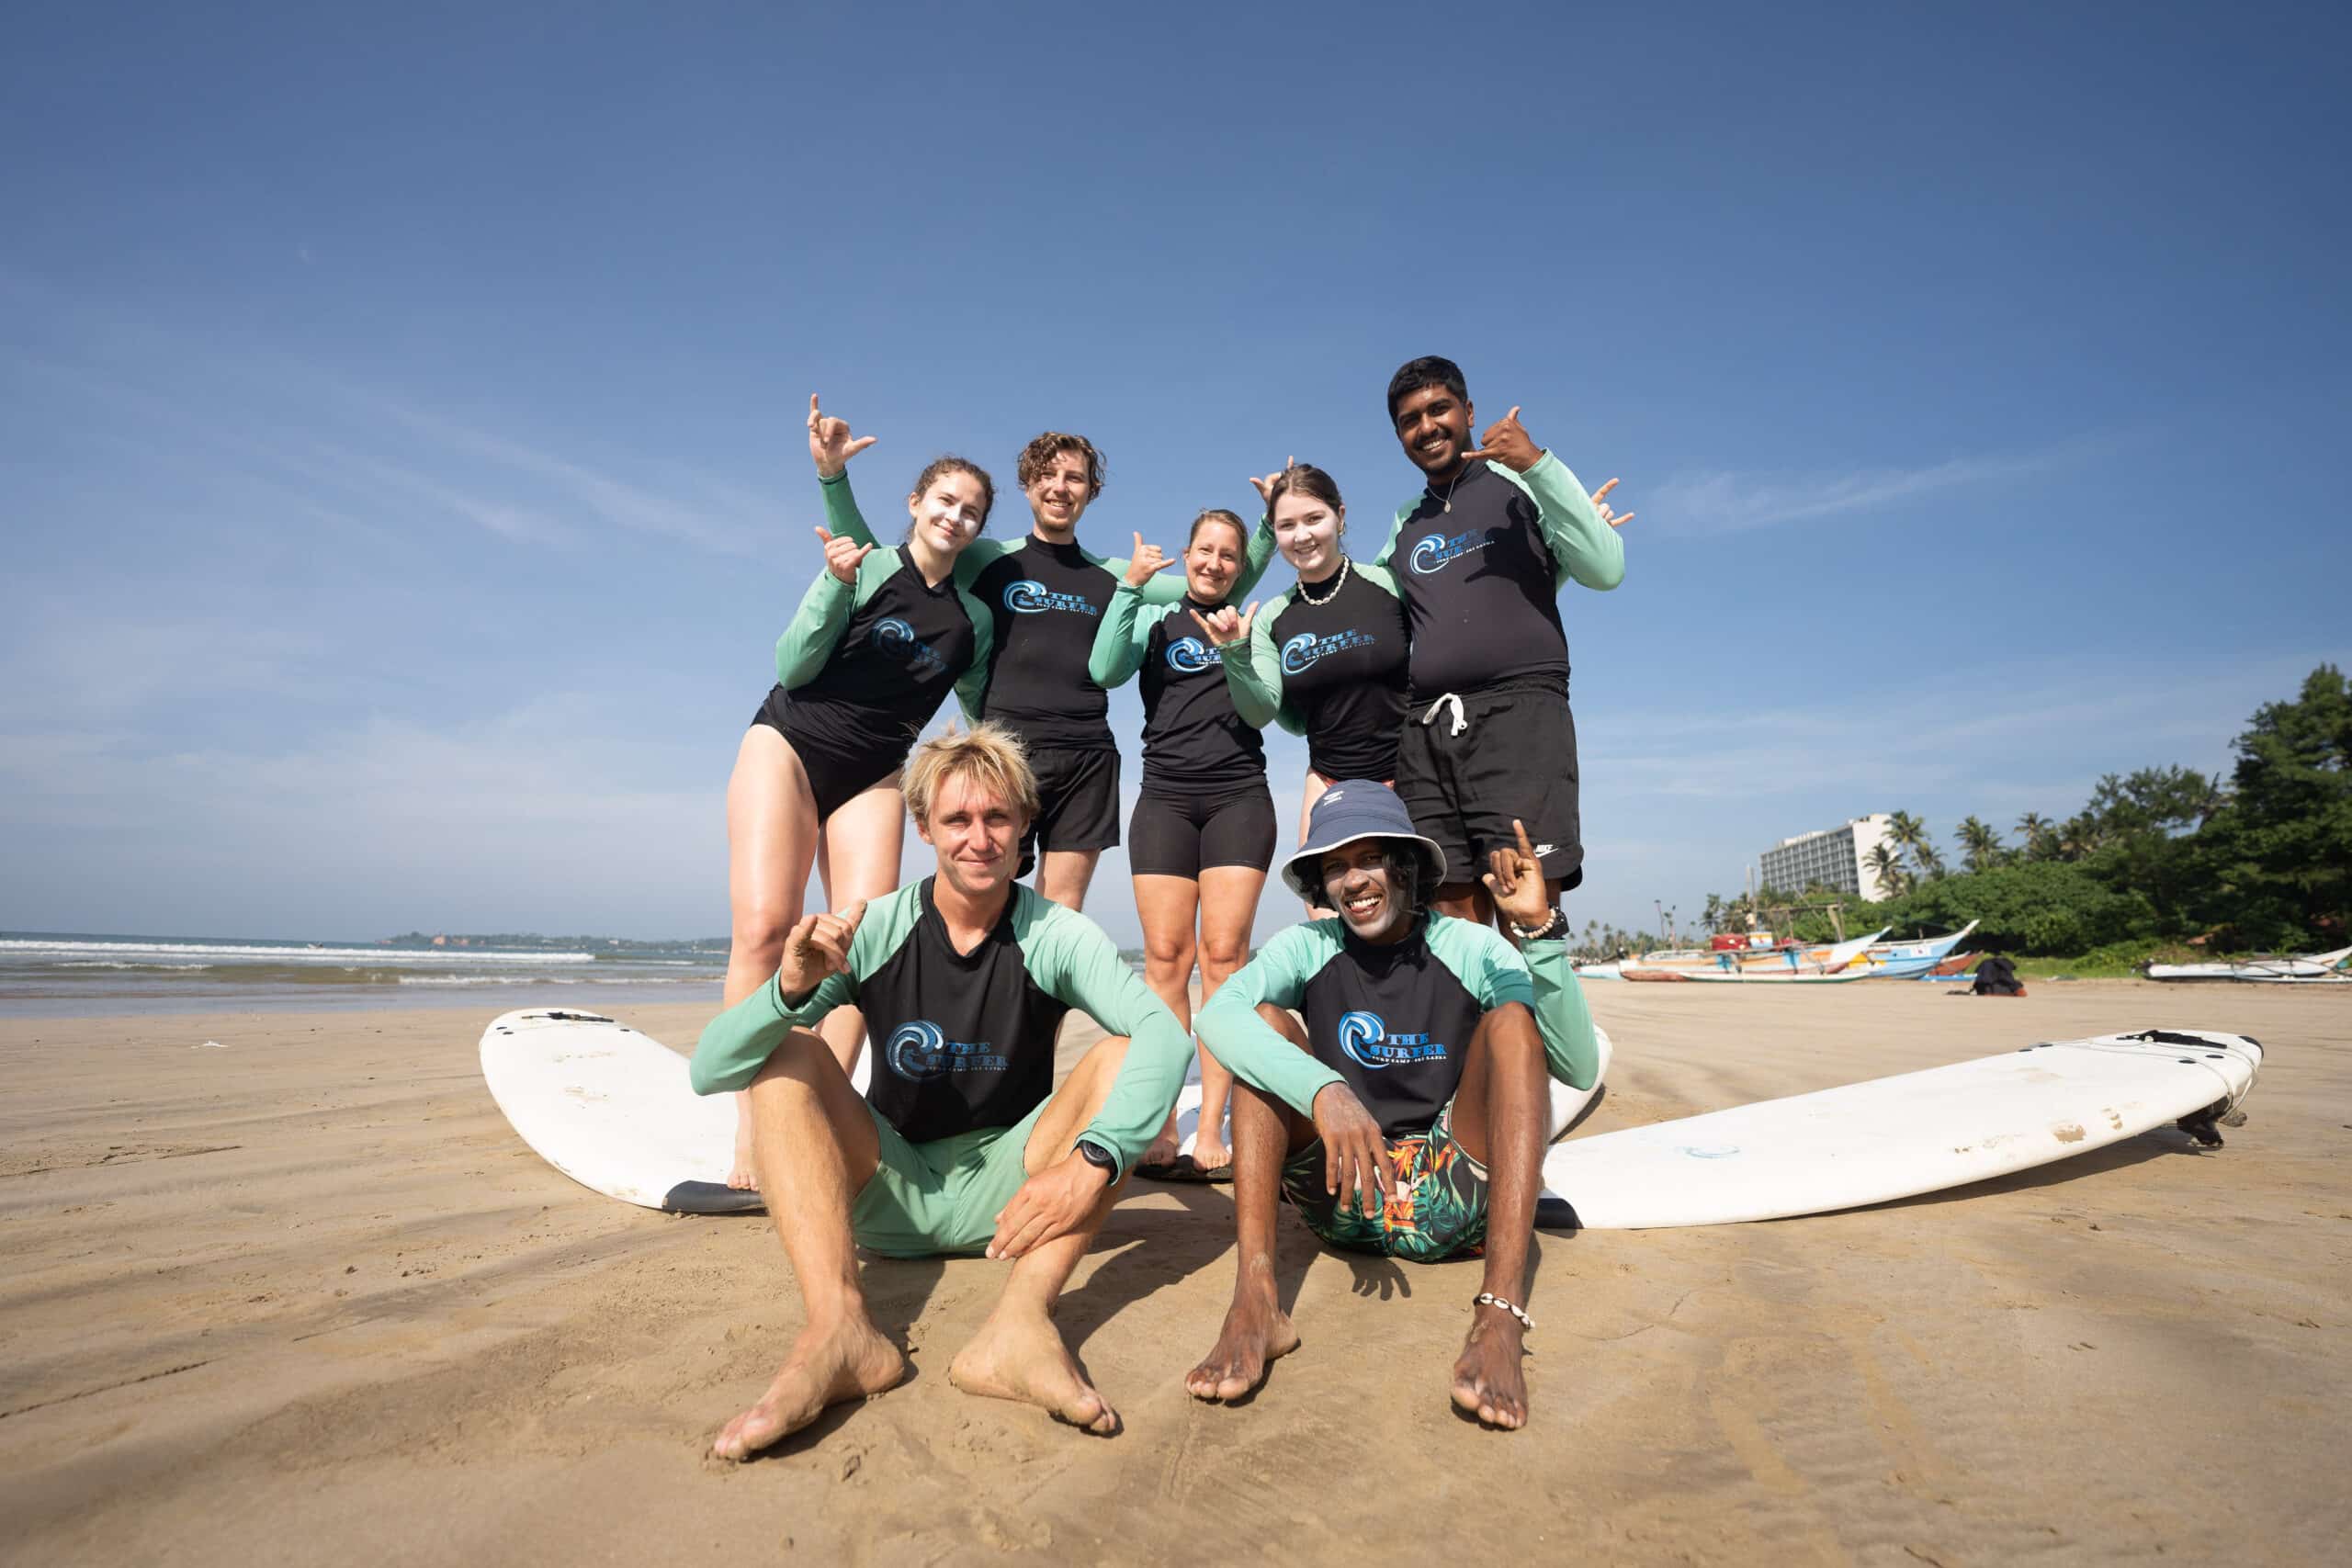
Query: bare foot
x=1210 y=1154
x=1487 y=1381
x=1162 y=1150
x=1256 y=1331
x=852 y=1363
x=1023 y=1358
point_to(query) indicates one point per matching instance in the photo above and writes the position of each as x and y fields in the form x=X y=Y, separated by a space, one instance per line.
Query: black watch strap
x=1095 y=1155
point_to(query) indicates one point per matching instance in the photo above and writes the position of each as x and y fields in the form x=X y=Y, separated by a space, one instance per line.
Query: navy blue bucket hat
x=1349 y=810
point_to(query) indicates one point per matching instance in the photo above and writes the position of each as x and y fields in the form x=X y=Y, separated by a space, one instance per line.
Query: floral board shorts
x=1437 y=1200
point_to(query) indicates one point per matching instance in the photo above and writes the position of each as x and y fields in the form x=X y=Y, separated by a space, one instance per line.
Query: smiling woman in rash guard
x=1326 y=659
x=1202 y=831
x=881 y=636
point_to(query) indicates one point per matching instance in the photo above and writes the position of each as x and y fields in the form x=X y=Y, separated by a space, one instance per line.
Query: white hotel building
x=1835 y=857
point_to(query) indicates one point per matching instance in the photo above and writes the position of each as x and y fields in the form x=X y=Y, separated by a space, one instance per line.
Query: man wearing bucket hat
x=1406 y=1117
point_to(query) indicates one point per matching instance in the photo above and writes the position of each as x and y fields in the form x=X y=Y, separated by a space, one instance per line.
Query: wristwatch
x=1556 y=926
x=1098 y=1156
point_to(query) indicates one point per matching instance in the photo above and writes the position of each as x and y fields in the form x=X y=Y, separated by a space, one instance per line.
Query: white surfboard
x=1568 y=1103
x=1897 y=1138
x=612 y=1110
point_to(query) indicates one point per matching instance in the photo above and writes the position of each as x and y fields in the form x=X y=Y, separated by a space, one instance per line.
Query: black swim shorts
x=1468 y=765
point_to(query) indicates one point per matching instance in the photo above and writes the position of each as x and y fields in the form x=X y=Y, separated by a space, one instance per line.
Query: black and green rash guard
x=1194 y=740
x=1333 y=673
x=1393 y=1021
x=868 y=665
x=1045 y=603
x=1481 y=583
x=965 y=1041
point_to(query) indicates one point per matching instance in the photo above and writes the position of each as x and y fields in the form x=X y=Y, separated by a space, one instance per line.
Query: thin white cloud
x=1730 y=503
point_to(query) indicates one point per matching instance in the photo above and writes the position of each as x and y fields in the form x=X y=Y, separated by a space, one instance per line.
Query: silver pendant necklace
x=1448 y=496
x=1338 y=582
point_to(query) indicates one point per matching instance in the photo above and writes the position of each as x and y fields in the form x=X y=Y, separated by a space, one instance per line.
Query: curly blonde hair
x=988 y=757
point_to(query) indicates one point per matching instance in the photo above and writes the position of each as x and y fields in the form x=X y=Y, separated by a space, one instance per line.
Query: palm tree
x=1980 y=845
x=1930 y=863
x=2081 y=836
x=1887 y=866
x=2040 y=838
x=1904 y=830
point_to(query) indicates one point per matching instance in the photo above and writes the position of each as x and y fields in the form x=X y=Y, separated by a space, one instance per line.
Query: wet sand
x=305 y=1298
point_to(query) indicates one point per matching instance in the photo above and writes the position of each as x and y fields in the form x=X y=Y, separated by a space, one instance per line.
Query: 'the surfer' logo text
x=1440 y=550
x=1190 y=655
x=1307 y=648
x=921 y=1051
x=897 y=638
x=1029 y=596
x=1365 y=1041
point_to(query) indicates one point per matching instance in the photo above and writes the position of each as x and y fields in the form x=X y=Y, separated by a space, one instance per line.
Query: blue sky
x=404 y=484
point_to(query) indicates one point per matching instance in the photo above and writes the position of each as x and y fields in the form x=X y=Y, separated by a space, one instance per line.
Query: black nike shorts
x=1515 y=757
x=1176 y=834
x=836 y=774
x=1078 y=802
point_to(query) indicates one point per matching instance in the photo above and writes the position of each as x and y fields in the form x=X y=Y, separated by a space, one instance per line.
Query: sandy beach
x=305 y=1298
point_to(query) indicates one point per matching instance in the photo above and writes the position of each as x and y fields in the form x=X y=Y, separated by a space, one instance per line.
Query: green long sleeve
x=1540 y=976
x=1255 y=678
x=1246 y=1044
x=824 y=611
x=1584 y=549
x=1120 y=640
x=1069 y=957
x=738 y=1043
x=816 y=627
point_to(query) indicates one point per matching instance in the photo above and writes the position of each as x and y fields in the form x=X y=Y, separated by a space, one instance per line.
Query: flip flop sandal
x=1183 y=1168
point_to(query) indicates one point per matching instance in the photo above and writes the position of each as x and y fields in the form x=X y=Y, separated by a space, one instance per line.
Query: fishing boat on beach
x=2307 y=969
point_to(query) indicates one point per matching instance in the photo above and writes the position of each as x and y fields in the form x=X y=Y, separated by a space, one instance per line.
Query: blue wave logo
x=1365 y=1041
x=1029 y=596
x=1359 y=1031
x=1440 y=550
x=895 y=637
x=921 y=1051
x=1300 y=652
x=917 y=1051
x=1190 y=656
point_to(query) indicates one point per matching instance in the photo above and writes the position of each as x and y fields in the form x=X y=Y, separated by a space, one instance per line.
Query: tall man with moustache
x=1046 y=595
x=1481 y=555
x=961 y=1144
x=1405 y=1116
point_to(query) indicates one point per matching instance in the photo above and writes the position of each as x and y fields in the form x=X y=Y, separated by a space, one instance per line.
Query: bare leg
x=1018 y=1353
x=861 y=861
x=1167 y=908
x=1229 y=909
x=1063 y=876
x=770 y=835
x=1256 y=1329
x=1313 y=790
x=817 y=1148
x=1499 y=1112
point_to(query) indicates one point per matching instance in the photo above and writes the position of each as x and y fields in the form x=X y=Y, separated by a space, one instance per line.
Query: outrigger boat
x=2309 y=969
x=1862 y=958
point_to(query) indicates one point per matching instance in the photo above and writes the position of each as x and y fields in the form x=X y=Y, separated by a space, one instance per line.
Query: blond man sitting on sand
x=1406 y=1117
x=962 y=1145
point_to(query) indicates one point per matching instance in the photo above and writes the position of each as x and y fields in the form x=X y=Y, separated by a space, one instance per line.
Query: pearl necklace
x=1337 y=583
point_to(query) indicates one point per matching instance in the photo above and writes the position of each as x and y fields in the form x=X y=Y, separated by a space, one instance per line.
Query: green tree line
x=2260 y=861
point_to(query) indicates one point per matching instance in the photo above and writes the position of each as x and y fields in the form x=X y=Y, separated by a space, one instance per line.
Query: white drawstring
x=1460 y=724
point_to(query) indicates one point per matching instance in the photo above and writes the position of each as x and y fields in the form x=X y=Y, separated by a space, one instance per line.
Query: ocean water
x=66 y=974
